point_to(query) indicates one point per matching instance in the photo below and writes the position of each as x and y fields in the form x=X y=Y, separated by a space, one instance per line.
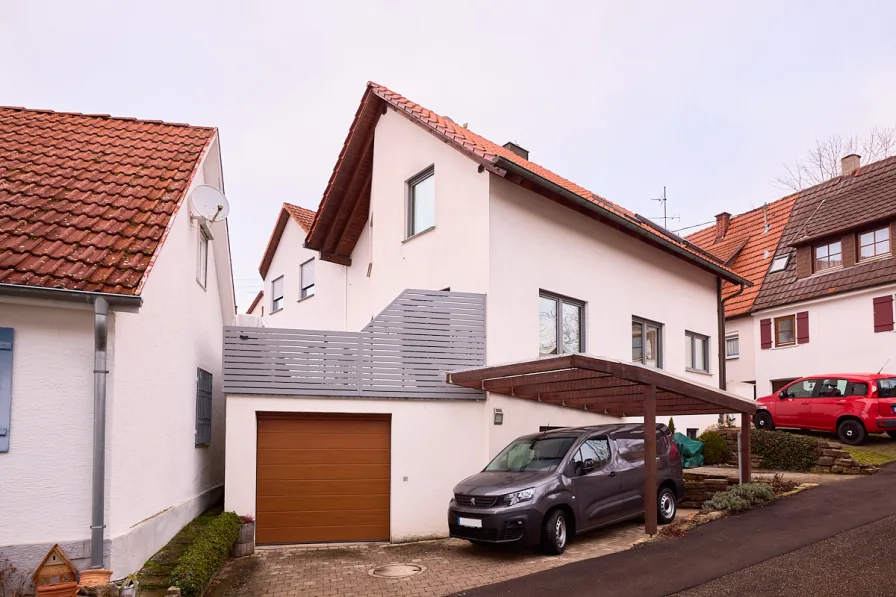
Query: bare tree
x=823 y=161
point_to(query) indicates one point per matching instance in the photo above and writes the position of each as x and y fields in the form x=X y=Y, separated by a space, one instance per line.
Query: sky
x=709 y=99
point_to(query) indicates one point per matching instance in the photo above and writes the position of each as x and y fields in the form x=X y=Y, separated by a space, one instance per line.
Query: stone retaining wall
x=699 y=487
x=831 y=457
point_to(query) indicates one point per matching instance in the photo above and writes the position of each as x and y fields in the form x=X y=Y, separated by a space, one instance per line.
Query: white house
x=112 y=298
x=824 y=278
x=442 y=250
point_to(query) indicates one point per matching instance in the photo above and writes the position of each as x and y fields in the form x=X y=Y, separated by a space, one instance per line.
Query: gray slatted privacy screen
x=6 y=339
x=203 y=407
x=405 y=352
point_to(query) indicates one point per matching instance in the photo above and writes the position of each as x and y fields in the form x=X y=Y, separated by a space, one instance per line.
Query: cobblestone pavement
x=450 y=565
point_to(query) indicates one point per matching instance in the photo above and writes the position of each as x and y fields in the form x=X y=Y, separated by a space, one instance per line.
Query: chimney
x=523 y=153
x=849 y=164
x=722 y=221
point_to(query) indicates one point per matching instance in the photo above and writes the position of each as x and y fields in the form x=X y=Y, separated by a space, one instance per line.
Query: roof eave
x=77 y=296
x=634 y=229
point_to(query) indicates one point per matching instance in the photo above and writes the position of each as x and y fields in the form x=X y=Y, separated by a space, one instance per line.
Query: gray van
x=545 y=487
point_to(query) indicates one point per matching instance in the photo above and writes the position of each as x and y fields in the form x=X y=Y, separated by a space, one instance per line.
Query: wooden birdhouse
x=56 y=575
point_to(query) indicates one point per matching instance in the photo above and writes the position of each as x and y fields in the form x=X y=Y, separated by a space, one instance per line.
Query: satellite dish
x=209 y=203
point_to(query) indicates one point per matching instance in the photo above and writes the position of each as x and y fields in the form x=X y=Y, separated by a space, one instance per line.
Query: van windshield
x=539 y=454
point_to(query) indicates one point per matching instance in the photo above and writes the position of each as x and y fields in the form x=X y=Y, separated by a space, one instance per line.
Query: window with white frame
x=422 y=202
x=560 y=324
x=277 y=294
x=647 y=342
x=874 y=243
x=696 y=352
x=306 y=277
x=732 y=346
x=202 y=259
x=828 y=256
x=779 y=264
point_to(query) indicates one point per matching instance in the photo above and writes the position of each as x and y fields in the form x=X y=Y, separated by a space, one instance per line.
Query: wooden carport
x=617 y=388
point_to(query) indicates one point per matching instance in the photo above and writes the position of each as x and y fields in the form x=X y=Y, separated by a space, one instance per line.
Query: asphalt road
x=719 y=554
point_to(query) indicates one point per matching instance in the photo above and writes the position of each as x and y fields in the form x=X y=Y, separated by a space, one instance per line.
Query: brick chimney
x=849 y=163
x=517 y=149
x=722 y=222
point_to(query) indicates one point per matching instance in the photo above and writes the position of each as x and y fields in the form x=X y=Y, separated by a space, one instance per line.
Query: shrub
x=715 y=448
x=784 y=451
x=740 y=497
x=671 y=426
x=201 y=561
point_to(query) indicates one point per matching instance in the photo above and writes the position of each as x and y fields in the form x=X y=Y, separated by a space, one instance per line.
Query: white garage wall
x=435 y=444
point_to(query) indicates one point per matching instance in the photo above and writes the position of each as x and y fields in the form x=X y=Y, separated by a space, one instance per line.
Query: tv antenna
x=666 y=217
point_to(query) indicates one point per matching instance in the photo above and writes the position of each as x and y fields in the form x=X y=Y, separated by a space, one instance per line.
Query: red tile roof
x=747 y=248
x=86 y=200
x=489 y=154
x=303 y=217
x=255 y=301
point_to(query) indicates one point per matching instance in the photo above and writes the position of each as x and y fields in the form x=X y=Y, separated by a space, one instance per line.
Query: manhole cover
x=396 y=570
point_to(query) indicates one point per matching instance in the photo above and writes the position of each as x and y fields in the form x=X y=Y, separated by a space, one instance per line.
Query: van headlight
x=511 y=499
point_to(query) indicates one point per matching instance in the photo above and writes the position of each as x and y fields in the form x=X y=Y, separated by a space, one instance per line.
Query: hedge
x=784 y=451
x=201 y=561
x=740 y=497
x=715 y=448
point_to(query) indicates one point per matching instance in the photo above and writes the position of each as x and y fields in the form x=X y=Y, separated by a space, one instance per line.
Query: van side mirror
x=588 y=466
x=782 y=394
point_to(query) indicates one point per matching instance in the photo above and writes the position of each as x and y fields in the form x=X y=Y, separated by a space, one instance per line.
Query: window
x=784 y=335
x=828 y=256
x=732 y=346
x=886 y=388
x=779 y=264
x=802 y=389
x=277 y=294
x=833 y=388
x=202 y=259
x=857 y=388
x=560 y=325
x=874 y=243
x=696 y=352
x=203 y=407
x=647 y=342
x=7 y=338
x=306 y=277
x=596 y=449
x=422 y=202
x=539 y=454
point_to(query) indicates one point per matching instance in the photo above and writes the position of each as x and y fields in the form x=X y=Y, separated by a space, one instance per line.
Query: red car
x=850 y=404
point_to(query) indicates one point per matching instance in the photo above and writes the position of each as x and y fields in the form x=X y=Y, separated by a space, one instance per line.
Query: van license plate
x=469 y=522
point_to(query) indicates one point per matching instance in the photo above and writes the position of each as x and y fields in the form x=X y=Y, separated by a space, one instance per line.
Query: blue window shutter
x=6 y=337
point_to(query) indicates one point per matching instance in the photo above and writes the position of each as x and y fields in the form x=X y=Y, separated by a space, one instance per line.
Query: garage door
x=322 y=478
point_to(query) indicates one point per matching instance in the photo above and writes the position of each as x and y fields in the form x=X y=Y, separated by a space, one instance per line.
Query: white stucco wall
x=45 y=478
x=841 y=340
x=453 y=254
x=323 y=311
x=742 y=368
x=435 y=444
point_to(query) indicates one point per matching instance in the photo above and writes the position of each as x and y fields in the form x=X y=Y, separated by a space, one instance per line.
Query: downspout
x=723 y=373
x=100 y=334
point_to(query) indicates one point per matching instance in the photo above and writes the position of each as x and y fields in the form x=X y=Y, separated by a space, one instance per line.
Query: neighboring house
x=747 y=243
x=294 y=275
x=110 y=294
x=446 y=252
x=823 y=298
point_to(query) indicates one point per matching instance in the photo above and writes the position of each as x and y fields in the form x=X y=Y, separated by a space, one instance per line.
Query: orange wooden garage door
x=322 y=478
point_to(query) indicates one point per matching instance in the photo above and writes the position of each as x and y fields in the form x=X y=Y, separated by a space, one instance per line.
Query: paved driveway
x=451 y=566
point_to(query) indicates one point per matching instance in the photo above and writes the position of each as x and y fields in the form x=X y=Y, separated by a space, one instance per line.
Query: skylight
x=779 y=264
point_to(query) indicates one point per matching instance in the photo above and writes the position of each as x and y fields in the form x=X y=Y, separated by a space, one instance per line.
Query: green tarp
x=691 y=450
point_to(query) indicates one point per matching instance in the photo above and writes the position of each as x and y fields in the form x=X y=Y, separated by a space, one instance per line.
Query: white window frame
x=660 y=340
x=779 y=264
x=736 y=355
x=303 y=294
x=202 y=257
x=692 y=338
x=277 y=301
x=874 y=243
x=412 y=183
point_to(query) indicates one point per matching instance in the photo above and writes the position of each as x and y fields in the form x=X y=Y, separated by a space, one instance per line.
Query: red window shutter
x=883 y=313
x=765 y=333
x=802 y=327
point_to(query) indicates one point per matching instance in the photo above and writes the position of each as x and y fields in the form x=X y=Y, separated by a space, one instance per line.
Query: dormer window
x=828 y=256
x=874 y=243
x=779 y=264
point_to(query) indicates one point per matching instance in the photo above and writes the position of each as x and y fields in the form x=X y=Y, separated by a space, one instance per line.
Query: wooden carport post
x=746 y=473
x=650 y=472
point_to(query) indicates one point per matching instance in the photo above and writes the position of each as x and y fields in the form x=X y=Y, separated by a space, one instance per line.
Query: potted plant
x=245 y=543
x=129 y=586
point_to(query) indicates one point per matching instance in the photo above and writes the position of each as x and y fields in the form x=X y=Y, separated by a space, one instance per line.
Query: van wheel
x=851 y=432
x=666 y=506
x=763 y=420
x=555 y=532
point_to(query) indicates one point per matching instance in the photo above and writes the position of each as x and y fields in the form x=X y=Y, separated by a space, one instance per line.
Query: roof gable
x=303 y=217
x=748 y=247
x=346 y=202
x=86 y=201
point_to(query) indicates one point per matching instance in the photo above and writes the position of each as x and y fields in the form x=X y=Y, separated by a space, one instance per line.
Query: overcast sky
x=623 y=98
